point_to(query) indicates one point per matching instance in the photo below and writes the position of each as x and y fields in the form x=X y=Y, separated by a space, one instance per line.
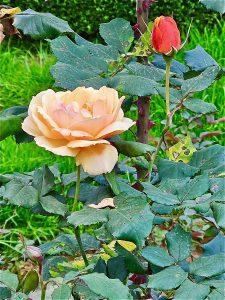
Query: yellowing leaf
x=105 y=256
x=9 y=11
x=129 y=246
x=79 y=264
x=182 y=151
x=107 y=202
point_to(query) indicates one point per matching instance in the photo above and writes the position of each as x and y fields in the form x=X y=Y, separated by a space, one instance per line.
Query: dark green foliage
x=85 y=16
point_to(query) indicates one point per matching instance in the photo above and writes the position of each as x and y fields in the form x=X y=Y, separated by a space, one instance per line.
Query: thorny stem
x=143 y=102
x=168 y=114
x=75 y=207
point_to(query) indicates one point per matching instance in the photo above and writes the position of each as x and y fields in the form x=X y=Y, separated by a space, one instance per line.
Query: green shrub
x=85 y=16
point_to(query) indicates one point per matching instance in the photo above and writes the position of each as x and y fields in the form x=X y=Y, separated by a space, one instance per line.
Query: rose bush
x=77 y=124
x=155 y=234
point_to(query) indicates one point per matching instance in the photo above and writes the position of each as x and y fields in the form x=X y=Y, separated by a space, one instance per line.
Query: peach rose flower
x=77 y=124
x=1 y=33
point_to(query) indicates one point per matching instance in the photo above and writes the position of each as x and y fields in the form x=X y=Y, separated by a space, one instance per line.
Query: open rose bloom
x=78 y=124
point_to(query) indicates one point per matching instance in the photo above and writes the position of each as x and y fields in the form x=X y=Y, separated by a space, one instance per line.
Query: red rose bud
x=165 y=35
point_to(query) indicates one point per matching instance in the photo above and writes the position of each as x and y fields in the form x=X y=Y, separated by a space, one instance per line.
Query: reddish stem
x=143 y=102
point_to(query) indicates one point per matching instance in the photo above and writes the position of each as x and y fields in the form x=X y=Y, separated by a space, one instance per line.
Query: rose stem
x=168 y=114
x=75 y=207
x=43 y=288
x=143 y=102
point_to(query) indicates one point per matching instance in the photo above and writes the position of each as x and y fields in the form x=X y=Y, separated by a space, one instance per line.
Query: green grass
x=24 y=73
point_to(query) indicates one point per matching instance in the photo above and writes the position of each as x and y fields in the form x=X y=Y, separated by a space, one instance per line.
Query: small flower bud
x=165 y=35
x=34 y=253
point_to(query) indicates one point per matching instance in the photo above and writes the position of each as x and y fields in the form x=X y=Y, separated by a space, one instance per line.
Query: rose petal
x=84 y=143
x=115 y=128
x=81 y=95
x=71 y=134
x=97 y=159
x=93 y=126
x=45 y=130
x=30 y=127
x=107 y=202
x=58 y=147
x=111 y=98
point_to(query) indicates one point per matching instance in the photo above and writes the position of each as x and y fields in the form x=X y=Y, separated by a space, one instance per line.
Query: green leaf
x=88 y=216
x=150 y=72
x=116 y=268
x=41 y=25
x=30 y=282
x=198 y=59
x=9 y=125
x=215 y=246
x=62 y=292
x=108 y=53
x=79 y=57
x=100 y=266
x=192 y=291
x=19 y=296
x=67 y=77
x=71 y=275
x=214 y=283
x=9 y=279
x=20 y=111
x=176 y=66
x=158 y=196
x=168 y=279
x=200 y=82
x=127 y=189
x=175 y=95
x=179 y=243
x=72 y=177
x=91 y=194
x=18 y=193
x=174 y=170
x=68 y=244
x=43 y=180
x=53 y=206
x=199 y=106
x=82 y=291
x=194 y=188
x=217 y=294
x=111 y=289
x=218 y=5
x=134 y=84
x=117 y=33
x=131 y=220
x=219 y=213
x=89 y=242
x=133 y=149
x=51 y=263
x=208 y=159
x=157 y=256
x=4 y=293
x=111 y=178
x=133 y=264
x=217 y=187
x=208 y=266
